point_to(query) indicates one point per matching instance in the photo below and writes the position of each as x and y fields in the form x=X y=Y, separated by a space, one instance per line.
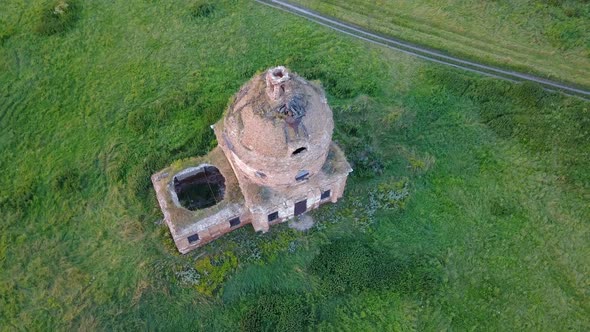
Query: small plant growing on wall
x=57 y=17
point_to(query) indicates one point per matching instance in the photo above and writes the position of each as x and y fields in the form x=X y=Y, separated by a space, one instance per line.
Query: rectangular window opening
x=273 y=216
x=193 y=238
x=234 y=222
x=325 y=194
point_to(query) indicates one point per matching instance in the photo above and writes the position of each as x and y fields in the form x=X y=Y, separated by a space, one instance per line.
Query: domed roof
x=278 y=125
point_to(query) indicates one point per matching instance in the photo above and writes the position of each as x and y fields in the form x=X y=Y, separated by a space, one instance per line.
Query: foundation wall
x=286 y=211
x=209 y=229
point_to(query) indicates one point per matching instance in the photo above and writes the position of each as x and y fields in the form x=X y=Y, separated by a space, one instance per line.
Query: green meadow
x=550 y=38
x=467 y=208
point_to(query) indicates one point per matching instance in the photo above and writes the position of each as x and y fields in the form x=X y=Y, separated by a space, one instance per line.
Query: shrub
x=57 y=17
x=203 y=10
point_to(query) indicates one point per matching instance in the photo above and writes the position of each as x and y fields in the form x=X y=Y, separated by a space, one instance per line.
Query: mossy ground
x=473 y=192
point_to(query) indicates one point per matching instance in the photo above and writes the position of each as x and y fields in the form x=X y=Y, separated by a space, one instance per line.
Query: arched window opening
x=298 y=151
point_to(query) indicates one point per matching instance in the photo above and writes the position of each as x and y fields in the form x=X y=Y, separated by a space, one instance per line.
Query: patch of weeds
x=166 y=239
x=138 y=178
x=418 y=162
x=213 y=271
x=360 y=208
x=354 y=132
x=566 y=34
x=486 y=90
x=528 y=94
x=67 y=181
x=6 y=32
x=114 y=160
x=350 y=265
x=203 y=10
x=453 y=81
x=501 y=207
x=571 y=10
x=139 y=120
x=486 y=159
x=255 y=255
x=293 y=245
x=22 y=195
x=393 y=116
x=275 y=242
x=249 y=250
x=278 y=312
x=391 y=194
x=366 y=162
x=344 y=265
x=243 y=242
x=362 y=212
x=188 y=276
x=332 y=82
x=57 y=17
x=329 y=166
x=499 y=117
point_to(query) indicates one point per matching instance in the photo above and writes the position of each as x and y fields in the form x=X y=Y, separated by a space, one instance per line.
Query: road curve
x=425 y=53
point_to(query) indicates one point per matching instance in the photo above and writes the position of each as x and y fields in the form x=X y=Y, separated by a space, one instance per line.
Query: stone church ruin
x=275 y=159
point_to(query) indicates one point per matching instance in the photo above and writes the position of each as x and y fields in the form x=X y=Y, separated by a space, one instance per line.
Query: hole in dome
x=278 y=73
x=200 y=188
x=298 y=151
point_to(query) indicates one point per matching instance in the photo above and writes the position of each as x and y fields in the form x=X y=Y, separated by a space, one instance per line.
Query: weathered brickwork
x=275 y=160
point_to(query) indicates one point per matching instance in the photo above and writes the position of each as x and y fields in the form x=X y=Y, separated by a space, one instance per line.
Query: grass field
x=468 y=208
x=550 y=38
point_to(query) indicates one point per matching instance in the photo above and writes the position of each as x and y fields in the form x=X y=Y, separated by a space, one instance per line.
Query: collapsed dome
x=278 y=126
x=199 y=187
